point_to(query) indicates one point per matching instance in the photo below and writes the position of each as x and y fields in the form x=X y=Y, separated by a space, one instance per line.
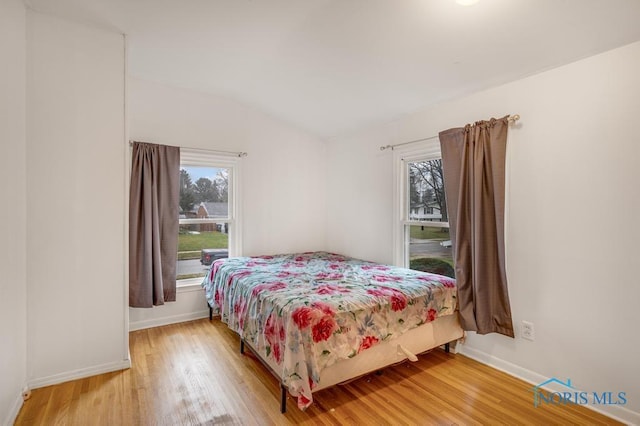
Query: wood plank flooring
x=193 y=374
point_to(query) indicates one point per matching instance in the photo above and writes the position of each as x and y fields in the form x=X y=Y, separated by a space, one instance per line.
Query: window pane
x=198 y=246
x=425 y=187
x=430 y=249
x=204 y=194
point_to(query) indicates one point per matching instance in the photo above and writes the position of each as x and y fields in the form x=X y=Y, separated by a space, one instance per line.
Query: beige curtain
x=153 y=224
x=474 y=177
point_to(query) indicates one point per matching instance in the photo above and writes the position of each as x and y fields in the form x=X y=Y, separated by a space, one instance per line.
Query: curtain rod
x=215 y=151
x=512 y=119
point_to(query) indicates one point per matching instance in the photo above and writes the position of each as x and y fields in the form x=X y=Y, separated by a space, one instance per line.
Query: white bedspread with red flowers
x=307 y=311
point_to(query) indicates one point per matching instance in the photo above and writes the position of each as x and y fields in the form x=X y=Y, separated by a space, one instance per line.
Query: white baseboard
x=616 y=412
x=79 y=374
x=173 y=319
x=15 y=409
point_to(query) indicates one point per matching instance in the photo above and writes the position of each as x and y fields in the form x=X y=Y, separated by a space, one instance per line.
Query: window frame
x=402 y=156
x=190 y=157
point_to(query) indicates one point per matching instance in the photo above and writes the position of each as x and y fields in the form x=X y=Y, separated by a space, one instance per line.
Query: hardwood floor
x=193 y=374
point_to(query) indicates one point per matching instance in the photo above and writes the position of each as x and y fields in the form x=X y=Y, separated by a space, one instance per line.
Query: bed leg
x=242 y=346
x=283 y=399
x=447 y=348
x=210 y=313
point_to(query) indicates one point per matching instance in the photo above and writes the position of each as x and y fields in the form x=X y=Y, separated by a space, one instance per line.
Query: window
x=209 y=225
x=422 y=234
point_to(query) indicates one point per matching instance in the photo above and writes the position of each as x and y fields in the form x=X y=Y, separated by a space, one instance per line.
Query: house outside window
x=209 y=218
x=421 y=232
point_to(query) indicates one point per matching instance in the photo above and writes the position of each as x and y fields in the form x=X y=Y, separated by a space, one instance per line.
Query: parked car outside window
x=208 y=256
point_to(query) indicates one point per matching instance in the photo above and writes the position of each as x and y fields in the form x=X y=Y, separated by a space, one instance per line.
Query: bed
x=319 y=319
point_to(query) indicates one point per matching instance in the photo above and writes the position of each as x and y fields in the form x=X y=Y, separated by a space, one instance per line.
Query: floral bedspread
x=306 y=311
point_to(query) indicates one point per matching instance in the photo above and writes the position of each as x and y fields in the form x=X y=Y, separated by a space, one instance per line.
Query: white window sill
x=189 y=285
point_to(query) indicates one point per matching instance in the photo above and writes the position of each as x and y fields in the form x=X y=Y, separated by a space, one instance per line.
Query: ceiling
x=332 y=66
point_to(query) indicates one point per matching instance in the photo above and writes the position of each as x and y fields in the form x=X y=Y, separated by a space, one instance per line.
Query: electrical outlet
x=528 y=331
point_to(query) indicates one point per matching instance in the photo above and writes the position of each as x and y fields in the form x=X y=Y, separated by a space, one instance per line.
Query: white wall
x=75 y=201
x=13 y=281
x=572 y=217
x=283 y=177
x=359 y=201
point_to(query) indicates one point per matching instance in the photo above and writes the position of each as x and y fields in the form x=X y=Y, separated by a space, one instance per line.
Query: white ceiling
x=331 y=66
